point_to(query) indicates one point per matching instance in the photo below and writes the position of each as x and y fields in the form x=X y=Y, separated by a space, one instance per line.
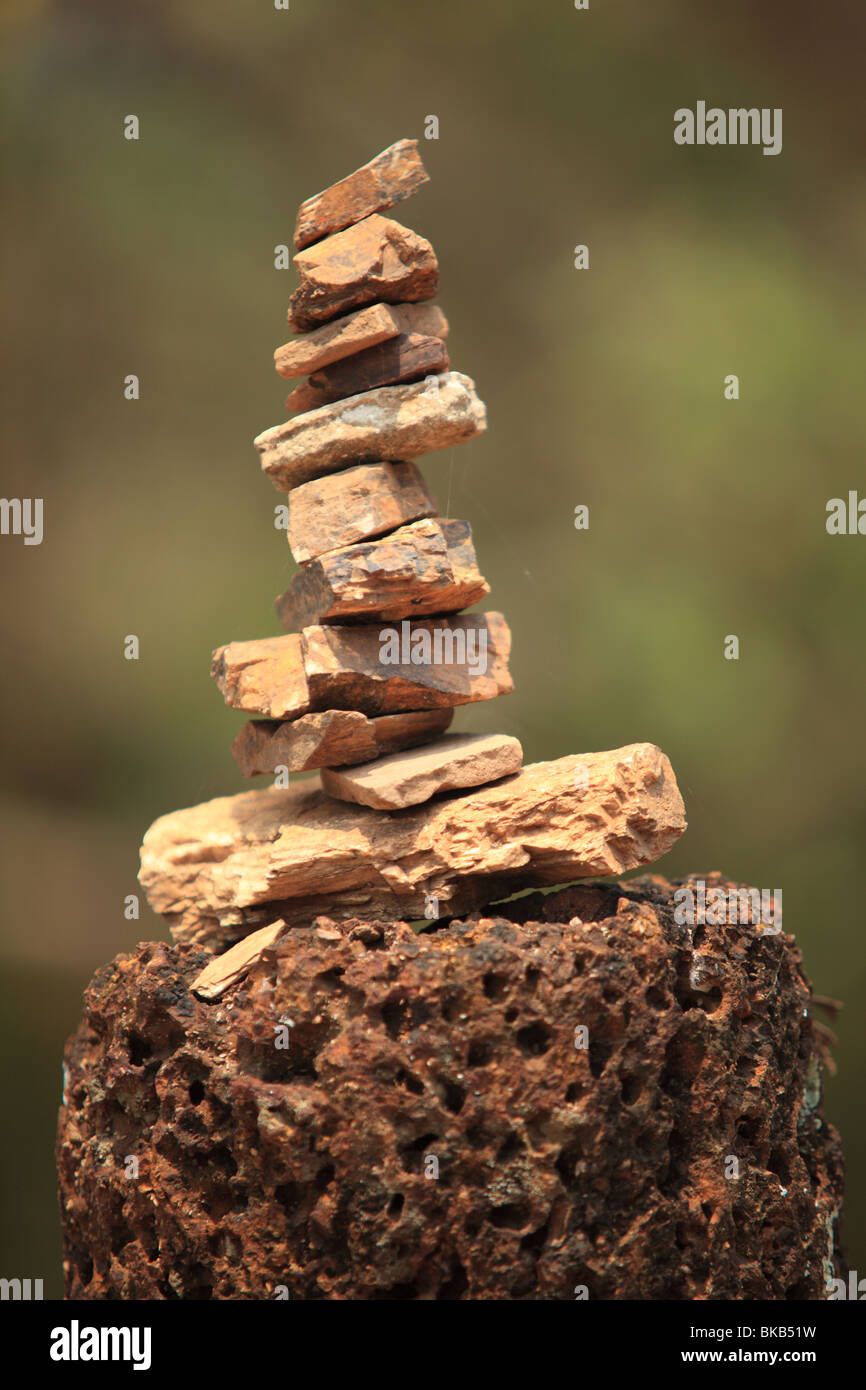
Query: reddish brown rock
x=306 y=1169
x=427 y=567
x=393 y=422
x=332 y=739
x=355 y=505
x=408 y=357
x=222 y=869
x=453 y=763
x=376 y=669
x=342 y=337
x=375 y=259
x=412 y=665
x=265 y=676
x=393 y=175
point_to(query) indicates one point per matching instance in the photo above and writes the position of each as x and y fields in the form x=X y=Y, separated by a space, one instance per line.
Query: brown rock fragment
x=407 y=357
x=393 y=422
x=355 y=505
x=228 y=968
x=265 y=676
x=416 y=665
x=219 y=870
x=332 y=739
x=407 y=779
x=426 y=567
x=602 y=1166
x=393 y=175
x=375 y=259
x=363 y=329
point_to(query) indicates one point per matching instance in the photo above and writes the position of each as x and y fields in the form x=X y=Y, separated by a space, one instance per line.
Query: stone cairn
x=292 y=1065
x=375 y=663
x=378 y=652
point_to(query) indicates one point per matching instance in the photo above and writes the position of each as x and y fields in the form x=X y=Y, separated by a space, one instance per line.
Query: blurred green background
x=603 y=387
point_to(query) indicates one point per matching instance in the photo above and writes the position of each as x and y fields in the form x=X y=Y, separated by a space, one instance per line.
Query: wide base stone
x=439 y=1124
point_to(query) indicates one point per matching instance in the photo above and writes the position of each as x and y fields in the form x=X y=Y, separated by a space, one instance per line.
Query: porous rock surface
x=432 y=1131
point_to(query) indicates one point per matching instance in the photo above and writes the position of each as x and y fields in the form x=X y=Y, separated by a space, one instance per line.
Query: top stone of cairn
x=389 y=178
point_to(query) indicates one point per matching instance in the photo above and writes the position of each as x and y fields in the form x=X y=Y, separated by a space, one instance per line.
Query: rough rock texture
x=406 y=779
x=408 y=357
x=362 y=329
x=332 y=739
x=312 y=1169
x=387 y=179
x=465 y=659
x=376 y=259
x=224 y=868
x=355 y=505
x=460 y=659
x=426 y=567
x=393 y=422
x=265 y=676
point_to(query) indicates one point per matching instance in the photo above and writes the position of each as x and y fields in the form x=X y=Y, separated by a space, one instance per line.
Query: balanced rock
x=393 y=422
x=407 y=357
x=332 y=738
x=393 y=175
x=418 y=665
x=375 y=259
x=363 y=329
x=355 y=505
x=428 y=664
x=426 y=567
x=406 y=779
x=264 y=677
x=222 y=869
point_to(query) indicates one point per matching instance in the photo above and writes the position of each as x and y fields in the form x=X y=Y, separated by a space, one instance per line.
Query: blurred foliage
x=603 y=387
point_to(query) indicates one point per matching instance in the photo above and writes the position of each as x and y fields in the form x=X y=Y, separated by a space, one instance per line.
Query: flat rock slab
x=333 y=738
x=355 y=505
x=411 y=665
x=393 y=422
x=374 y=668
x=393 y=175
x=264 y=677
x=222 y=869
x=353 y=333
x=227 y=969
x=426 y=567
x=453 y=763
x=408 y=357
x=376 y=259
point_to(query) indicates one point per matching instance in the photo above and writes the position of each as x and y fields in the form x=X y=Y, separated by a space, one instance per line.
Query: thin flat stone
x=265 y=676
x=408 y=357
x=404 y=779
x=232 y=965
x=393 y=422
x=333 y=738
x=355 y=505
x=340 y=338
x=375 y=259
x=377 y=669
x=222 y=869
x=387 y=179
x=426 y=567
x=382 y=668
